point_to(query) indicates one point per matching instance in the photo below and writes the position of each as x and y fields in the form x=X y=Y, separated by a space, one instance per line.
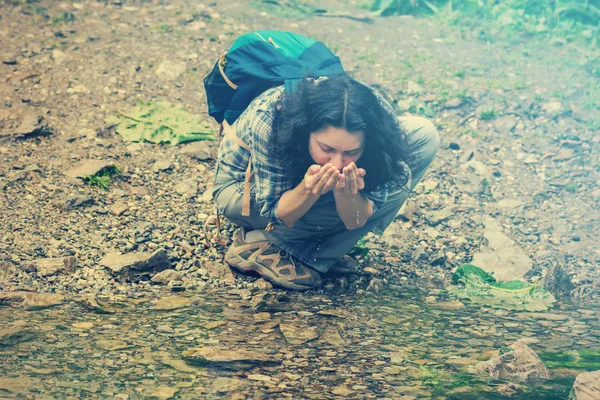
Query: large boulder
x=586 y=386
x=515 y=363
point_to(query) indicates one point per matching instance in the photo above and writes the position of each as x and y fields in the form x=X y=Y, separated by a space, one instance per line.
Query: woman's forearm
x=294 y=203
x=353 y=210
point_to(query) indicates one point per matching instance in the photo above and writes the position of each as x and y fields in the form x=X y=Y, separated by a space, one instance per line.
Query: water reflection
x=276 y=344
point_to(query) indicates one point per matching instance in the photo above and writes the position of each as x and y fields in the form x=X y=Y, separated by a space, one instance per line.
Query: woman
x=321 y=166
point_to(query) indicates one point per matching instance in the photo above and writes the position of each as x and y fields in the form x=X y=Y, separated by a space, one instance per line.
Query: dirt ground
x=514 y=183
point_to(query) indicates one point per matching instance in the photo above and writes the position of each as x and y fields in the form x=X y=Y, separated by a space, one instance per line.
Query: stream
x=400 y=342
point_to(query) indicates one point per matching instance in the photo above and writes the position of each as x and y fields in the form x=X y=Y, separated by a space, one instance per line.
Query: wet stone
x=558 y=343
x=83 y=326
x=29 y=300
x=233 y=358
x=226 y=385
x=517 y=363
x=342 y=390
x=586 y=386
x=180 y=365
x=21 y=385
x=332 y=336
x=13 y=336
x=171 y=303
x=298 y=334
x=97 y=306
x=111 y=344
x=164 y=393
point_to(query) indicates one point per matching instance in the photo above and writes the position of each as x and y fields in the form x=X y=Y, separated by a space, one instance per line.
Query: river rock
x=332 y=336
x=342 y=390
x=501 y=257
x=295 y=334
x=586 y=386
x=199 y=150
x=225 y=385
x=91 y=303
x=557 y=281
x=167 y=276
x=454 y=103
x=478 y=168
x=118 y=208
x=505 y=124
x=134 y=265
x=111 y=344
x=162 y=165
x=218 y=270
x=7 y=272
x=408 y=210
x=21 y=385
x=238 y=358
x=32 y=124
x=170 y=70
x=187 y=188
x=171 y=303
x=434 y=218
x=164 y=392
x=71 y=201
x=88 y=168
x=509 y=389
x=552 y=107
x=59 y=57
x=13 y=336
x=30 y=300
x=517 y=363
x=180 y=365
x=52 y=266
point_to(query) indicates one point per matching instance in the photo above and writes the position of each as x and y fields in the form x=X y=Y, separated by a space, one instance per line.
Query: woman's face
x=336 y=146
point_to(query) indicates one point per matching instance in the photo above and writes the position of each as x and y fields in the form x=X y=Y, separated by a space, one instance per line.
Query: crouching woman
x=307 y=173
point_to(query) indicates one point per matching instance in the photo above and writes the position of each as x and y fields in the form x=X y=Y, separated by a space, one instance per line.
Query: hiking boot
x=272 y=263
x=345 y=266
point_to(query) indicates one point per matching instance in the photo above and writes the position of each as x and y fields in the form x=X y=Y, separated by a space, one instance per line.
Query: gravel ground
x=515 y=181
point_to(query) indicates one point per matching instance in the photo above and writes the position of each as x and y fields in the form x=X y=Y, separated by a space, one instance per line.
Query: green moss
x=104 y=178
x=488 y=114
x=460 y=73
x=360 y=249
x=588 y=360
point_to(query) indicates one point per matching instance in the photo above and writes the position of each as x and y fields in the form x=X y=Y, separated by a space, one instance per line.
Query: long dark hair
x=341 y=102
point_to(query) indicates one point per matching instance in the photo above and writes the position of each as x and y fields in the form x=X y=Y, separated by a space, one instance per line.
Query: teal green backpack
x=260 y=60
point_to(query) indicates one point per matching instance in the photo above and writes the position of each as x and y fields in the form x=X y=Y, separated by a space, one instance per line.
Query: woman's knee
x=422 y=137
x=431 y=139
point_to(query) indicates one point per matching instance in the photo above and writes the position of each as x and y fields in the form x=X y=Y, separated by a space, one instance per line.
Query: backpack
x=261 y=60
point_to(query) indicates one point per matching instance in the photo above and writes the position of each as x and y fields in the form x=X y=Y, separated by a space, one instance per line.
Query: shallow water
x=366 y=346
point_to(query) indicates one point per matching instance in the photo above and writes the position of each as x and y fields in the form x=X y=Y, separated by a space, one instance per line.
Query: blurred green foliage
x=563 y=19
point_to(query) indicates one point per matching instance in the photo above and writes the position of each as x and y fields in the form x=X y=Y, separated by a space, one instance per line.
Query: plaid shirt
x=271 y=180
